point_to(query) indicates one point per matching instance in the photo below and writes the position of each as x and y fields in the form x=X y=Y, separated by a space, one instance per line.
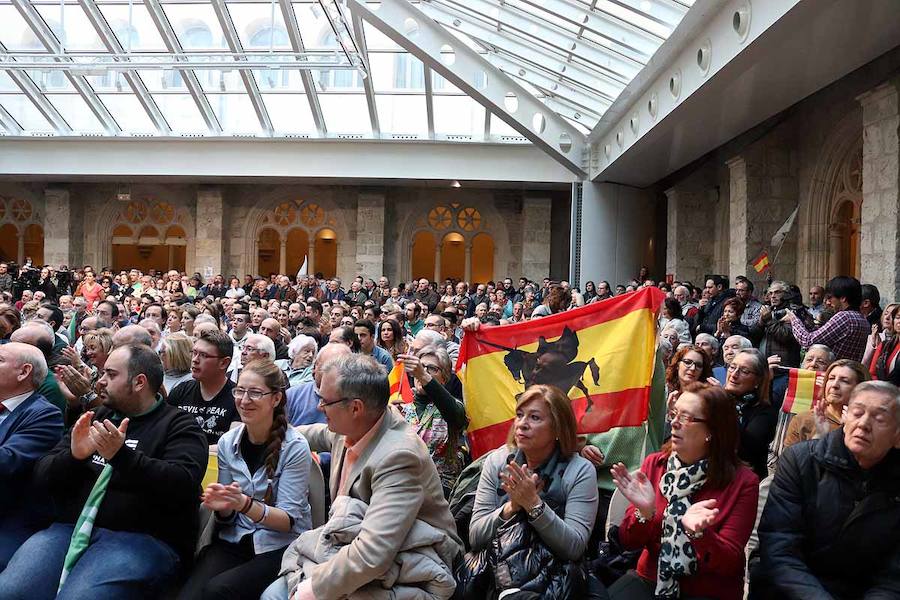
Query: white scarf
x=677 y=558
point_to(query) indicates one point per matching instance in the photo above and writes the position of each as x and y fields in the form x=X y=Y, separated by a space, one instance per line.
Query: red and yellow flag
x=400 y=389
x=600 y=355
x=804 y=389
x=761 y=262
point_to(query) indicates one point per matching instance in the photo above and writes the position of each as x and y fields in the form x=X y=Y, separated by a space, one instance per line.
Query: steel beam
x=293 y=31
x=234 y=43
x=170 y=39
x=422 y=37
x=109 y=39
x=429 y=101
x=9 y=123
x=369 y=87
x=46 y=36
x=44 y=106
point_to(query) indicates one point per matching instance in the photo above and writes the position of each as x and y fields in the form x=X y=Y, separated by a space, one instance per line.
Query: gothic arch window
x=149 y=234
x=21 y=231
x=450 y=242
x=844 y=227
x=304 y=230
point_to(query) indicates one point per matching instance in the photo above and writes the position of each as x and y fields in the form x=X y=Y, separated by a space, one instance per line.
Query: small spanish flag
x=761 y=262
x=400 y=389
x=804 y=388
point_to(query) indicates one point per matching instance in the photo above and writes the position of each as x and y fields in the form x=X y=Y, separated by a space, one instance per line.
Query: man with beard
x=144 y=504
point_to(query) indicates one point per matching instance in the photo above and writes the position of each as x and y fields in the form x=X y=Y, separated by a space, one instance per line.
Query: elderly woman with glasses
x=748 y=383
x=693 y=505
x=435 y=415
x=261 y=499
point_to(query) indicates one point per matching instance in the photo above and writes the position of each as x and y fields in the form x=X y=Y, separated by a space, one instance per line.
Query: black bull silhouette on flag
x=552 y=364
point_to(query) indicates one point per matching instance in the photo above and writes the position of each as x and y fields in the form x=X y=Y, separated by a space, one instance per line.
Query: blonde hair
x=103 y=337
x=178 y=349
x=561 y=416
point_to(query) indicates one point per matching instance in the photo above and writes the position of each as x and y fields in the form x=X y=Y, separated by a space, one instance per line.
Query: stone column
x=370 y=234
x=209 y=234
x=738 y=257
x=536 y=238
x=880 y=227
x=282 y=253
x=20 y=249
x=57 y=228
x=690 y=235
x=468 y=273
x=311 y=258
x=437 y=262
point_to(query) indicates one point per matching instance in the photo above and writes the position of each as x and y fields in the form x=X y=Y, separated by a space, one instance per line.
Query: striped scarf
x=81 y=536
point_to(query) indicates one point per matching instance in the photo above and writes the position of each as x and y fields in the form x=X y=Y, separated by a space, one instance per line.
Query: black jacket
x=156 y=479
x=757 y=428
x=707 y=318
x=830 y=529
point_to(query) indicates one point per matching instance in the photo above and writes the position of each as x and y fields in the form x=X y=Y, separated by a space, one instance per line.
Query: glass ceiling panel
x=79 y=35
x=458 y=115
x=402 y=114
x=128 y=112
x=196 y=26
x=141 y=36
x=290 y=113
x=346 y=113
x=576 y=56
x=24 y=112
x=76 y=112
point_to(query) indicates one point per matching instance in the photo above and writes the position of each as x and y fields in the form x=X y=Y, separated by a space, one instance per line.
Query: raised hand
x=82 y=446
x=636 y=488
x=108 y=438
x=73 y=356
x=77 y=383
x=700 y=516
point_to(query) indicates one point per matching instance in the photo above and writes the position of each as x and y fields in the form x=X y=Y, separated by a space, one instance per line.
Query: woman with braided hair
x=261 y=500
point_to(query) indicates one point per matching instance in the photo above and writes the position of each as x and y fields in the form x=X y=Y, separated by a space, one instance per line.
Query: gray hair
x=708 y=338
x=431 y=338
x=360 y=376
x=744 y=342
x=150 y=324
x=264 y=343
x=300 y=342
x=205 y=318
x=885 y=388
x=829 y=353
x=131 y=335
x=440 y=353
x=27 y=354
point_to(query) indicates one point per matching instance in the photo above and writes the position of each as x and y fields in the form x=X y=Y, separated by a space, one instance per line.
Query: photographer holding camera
x=774 y=326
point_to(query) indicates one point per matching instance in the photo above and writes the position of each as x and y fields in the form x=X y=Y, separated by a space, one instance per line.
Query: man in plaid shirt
x=845 y=333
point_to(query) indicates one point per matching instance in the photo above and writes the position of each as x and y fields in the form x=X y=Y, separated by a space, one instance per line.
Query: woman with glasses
x=693 y=505
x=748 y=382
x=690 y=364
x=435 y=415
x=261 y=500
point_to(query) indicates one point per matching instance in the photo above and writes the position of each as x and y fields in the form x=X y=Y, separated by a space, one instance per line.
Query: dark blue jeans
x=116 y=565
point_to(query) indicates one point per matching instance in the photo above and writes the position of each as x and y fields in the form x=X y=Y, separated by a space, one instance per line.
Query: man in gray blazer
x=376 y=458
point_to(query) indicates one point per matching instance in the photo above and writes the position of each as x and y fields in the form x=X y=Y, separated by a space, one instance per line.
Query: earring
x=708 y=438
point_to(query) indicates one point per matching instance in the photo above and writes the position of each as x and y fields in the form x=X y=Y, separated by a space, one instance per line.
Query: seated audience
x=303 y=399
x=748 y=384
x=539 y=477
x=434 y=414
x=365 y=333
x=379 y=462
x=175 y=353
x=207 y=397
x=134 y=466
x=693 y=505
x=391 y=338
x=841 y=377
x=261 y=500
x=831 y=526
x=302 y=352
x=29 y=428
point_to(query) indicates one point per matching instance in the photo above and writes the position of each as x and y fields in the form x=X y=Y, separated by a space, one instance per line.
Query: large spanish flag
x=600 y=355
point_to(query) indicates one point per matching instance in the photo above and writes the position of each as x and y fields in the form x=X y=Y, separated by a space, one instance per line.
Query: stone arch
x=829 y=189
x=285 y=210
x=160 y=226
x=22 y=222
x=459 y=220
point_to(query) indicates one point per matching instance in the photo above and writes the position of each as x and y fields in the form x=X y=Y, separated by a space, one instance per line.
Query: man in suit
x=29 y=428
x=376 y=458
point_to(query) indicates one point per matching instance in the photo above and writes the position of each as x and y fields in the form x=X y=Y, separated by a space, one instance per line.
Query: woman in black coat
x=748 y=383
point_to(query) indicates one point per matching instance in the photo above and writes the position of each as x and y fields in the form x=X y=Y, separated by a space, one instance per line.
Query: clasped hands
x=224 y=498
x=523 y=487
x=102 y=437
x=638 y=490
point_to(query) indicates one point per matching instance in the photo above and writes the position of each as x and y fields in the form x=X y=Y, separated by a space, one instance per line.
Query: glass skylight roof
x=576 y=56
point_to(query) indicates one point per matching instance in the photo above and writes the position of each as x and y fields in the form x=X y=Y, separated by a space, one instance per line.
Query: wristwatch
x=536 y=512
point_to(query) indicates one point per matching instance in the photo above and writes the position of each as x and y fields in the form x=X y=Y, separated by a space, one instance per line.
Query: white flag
x=303 y=269
x=781 y=234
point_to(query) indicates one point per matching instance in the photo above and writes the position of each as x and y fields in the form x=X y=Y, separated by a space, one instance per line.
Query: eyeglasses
x=433 y=369
x=331 y=402
x=254 y=395
x=203 y=355
x=683 y=418
x=691 y=364
x=744 y=371
x=433 y=325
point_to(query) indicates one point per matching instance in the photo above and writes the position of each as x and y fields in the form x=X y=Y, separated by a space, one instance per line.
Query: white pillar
x=282 y=262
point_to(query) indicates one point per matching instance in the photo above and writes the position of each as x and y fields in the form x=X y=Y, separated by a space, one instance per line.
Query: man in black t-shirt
x=208 y=396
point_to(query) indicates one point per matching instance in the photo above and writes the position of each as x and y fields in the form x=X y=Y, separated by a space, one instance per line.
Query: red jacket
x=721 y=549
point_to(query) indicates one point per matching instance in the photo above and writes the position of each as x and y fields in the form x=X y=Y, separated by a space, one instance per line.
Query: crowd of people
x=118 y=391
